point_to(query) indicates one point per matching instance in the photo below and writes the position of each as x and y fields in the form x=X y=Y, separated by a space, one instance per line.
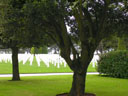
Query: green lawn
x=52 y=85
x=26 y=68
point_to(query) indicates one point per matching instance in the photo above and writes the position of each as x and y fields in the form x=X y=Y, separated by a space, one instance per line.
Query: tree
x=89 y=22
x=11 y=31
x=14 y=33
x=107 y=44
x=112 y=43
x=40 y=50
x=33 y=51
x=43 y=50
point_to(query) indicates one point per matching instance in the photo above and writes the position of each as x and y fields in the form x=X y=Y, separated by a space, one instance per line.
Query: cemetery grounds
x=40 y=63
x=52 y=85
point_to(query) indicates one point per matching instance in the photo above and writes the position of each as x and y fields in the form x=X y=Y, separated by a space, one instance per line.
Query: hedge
x=114 y=64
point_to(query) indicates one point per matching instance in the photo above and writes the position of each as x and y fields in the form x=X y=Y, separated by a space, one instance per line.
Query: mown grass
x=52 y=85
x=6 y=67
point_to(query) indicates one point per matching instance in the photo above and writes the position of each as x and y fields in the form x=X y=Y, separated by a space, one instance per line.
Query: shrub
x=114 y=64
x=40 y=50
x=32 y=50
x=44 y=49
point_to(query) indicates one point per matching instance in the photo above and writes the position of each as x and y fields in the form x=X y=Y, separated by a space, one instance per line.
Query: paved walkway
x=45 y=74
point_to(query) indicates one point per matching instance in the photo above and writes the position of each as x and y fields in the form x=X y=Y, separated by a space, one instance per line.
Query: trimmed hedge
x=114 y=64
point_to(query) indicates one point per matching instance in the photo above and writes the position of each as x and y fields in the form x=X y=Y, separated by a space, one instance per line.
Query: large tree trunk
x=15 y=64
x=78 y=84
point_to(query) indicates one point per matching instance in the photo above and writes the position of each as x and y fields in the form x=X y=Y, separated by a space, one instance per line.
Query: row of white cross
x=48 y=59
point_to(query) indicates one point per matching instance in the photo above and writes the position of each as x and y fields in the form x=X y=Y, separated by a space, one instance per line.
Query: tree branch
x=89 y=19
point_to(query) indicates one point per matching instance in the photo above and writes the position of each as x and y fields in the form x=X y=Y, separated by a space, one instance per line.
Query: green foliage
x=32 y=50
x=40 y=50
x=34 y=28
x=44 y=50
x=107 y=44
x=113 y=43
x=114 y=64
x=17 y=3
x=14 y=30
x=121 y=44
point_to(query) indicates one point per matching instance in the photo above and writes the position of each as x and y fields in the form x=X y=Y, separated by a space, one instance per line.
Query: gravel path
x=45 y=74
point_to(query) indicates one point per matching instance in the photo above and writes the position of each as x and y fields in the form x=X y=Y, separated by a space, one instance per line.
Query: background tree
x=112 y=44
x=43 y=50
x=12 y=20
x=40 y=50
x=33 y=51
x=107 y=44
x=15 y=34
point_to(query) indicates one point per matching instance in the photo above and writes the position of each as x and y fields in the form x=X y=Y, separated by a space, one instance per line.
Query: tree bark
x=78 y=84
x=15 y=64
